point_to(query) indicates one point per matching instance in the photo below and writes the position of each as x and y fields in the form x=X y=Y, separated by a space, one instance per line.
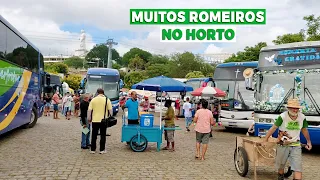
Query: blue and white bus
x=107 y=79
x=288 y=71
x=235 y=78
x=22 y=80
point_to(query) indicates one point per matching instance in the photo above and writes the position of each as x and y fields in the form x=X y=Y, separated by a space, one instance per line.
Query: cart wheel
x=241 y=161
x=288 y=173
x=138 y=147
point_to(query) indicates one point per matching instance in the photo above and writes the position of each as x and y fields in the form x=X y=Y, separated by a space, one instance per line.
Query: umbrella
x=162 y=83
x=209 y=92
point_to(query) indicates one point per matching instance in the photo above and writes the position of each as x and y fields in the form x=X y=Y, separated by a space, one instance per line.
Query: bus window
x=3 y=42
x=20 y=53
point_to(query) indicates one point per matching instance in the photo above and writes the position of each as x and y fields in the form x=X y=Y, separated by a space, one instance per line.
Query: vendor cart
x=250 y=149
x=139 y=135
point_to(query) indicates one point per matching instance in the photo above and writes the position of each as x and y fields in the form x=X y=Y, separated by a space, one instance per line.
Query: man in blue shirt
x=133 y=111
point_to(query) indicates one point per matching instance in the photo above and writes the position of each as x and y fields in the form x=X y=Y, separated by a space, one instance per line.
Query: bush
x=73 y=80
x=133 y=78
x=56 y=68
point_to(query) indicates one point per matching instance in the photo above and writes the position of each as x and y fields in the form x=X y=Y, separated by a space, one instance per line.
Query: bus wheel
x=33 y=118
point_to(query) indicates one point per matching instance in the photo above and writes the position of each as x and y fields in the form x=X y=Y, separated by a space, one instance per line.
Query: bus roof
x=291 y=45
x=6 y=23
x=198 y=79
x=103 y=71
x=298 y=55
x=237 y=64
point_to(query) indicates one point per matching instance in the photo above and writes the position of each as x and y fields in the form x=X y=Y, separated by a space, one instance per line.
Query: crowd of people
x=94 y=109
x=68 y=104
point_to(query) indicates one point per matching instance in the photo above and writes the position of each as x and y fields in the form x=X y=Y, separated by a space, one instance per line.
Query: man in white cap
x=290 y=124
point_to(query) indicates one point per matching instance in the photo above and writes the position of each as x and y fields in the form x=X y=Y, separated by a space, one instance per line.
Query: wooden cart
x=250 y=149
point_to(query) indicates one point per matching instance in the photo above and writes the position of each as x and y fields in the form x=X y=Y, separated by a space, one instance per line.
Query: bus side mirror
x=47 y=76
x=249 y=84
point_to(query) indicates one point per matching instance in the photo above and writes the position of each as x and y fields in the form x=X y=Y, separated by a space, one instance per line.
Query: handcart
x=138 y=136
x=250 y=149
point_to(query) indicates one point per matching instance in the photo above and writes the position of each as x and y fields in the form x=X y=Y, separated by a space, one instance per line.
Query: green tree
x=116 y=66
x=207 y=69
x=136 y=63
x=73 y=81
x=56 y=68
x=194 y=74
x=290 y=38
x=249 y=53
x=145 y=55
x=60 y=68
x=133 y=78
x=122 y=74
x=181 y=64
x=100 y=52
x=157 y=70
x=76 y=62
x=313 y=30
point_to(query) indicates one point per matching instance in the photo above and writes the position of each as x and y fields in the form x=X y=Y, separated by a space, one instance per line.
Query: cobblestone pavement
x=51 y=150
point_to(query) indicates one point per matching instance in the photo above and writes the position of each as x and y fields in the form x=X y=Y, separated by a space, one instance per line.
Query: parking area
x=51 y=150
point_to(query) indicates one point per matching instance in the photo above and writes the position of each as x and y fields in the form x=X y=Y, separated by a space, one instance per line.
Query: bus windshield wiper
x=306 y=90
x=291 y=90
x=246 y=107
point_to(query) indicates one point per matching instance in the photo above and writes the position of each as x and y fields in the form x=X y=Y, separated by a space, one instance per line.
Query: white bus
x=235 y=79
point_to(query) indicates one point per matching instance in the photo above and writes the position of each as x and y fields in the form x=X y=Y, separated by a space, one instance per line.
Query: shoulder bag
x=110 y=121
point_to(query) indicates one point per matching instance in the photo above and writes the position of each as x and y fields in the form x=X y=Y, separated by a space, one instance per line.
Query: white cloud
x=48 y=16
x=212 y=49
x=45 y=34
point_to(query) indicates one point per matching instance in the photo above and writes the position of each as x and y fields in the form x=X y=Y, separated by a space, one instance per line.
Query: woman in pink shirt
x=203 y=119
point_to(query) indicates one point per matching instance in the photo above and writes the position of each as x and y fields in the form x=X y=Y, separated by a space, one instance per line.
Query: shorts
x=291 y=153
x=202 y=137
x=188 y=121
x=169 y=135
x=77 y=106
x=55 y=107
x=177 y=112
x=47 y=105
x=67 y=109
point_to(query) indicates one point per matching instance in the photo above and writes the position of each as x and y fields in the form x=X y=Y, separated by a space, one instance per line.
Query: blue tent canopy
x=162 y=83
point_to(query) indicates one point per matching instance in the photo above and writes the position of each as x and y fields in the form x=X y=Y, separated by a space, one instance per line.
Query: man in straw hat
x=290 y=124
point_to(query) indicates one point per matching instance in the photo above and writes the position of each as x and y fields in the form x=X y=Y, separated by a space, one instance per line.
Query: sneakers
x=103 y=152
x=92 y=152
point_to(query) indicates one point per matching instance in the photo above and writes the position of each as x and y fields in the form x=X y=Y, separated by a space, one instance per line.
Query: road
x=51 y=150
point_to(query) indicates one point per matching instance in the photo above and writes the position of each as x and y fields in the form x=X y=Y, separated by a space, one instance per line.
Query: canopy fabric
x=162 y=83
x=209 y=92
x=141 y=92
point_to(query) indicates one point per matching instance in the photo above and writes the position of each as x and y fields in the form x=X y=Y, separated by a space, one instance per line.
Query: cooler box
x=146 y=120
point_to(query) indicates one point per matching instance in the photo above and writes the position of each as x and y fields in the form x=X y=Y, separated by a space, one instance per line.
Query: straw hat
x=248 y=73
x=293 y=103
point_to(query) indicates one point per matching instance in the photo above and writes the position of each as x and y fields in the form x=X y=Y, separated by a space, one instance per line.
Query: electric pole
x=109 y=43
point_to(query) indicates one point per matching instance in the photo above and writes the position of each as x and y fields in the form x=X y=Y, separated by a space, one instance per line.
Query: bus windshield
x=273 y=88
x=238 y=97
x=111 y=89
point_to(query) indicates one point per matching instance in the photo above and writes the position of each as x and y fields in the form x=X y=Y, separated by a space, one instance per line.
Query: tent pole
x=161 y=110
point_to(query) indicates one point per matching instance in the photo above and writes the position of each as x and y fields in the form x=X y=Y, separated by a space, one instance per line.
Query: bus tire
x=33 y=118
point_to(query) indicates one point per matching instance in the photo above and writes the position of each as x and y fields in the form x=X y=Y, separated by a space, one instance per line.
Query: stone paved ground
x=51 y=150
